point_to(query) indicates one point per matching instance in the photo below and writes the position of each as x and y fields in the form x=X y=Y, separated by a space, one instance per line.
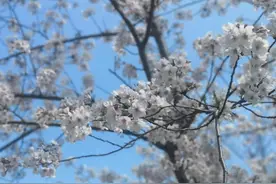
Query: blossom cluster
x=271 y=26
x=73 y=116
x=13 y=25
x=218 y=5
x=184 y=15
x=207 y=46
x=43 y=116
x=20 y=45
x=7 y=97
x=240 y=40
x=75 y=123
x=34 y=6
x=88 y=13
x=193 y=156
x=44 y=160
x=129 y=71
x=132 y=109
x=128 y=109
x=137 y=8
x=172 y=73
x=46 y=79
x=123 y=39
x=256 y=84
x=8 y=164
x=152 y=172
x=84 y=174
x=269 y=6
x=161 y=104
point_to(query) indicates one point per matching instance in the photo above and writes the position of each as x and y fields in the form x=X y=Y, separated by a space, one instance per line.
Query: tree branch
x=24 y=134
x=220 y=152
x=258 y=115
x=149 y=25
x=141 y=47
x=106 y=141
x=162 y=48
x=120 y=78
x=40 y=97
x=105 y=34
x=273 y=43
x=128 y=23
x=251 y=131
x=214 y=78
x=228 y=94
x=111 y=152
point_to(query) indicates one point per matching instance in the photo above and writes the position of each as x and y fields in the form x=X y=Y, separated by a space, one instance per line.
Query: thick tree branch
x=40 y=97
x=157 y=34
x=141 y=47
x=149 y=24
x=127 y=21
x=32 y=123
x=24 y=134
x=170 y=149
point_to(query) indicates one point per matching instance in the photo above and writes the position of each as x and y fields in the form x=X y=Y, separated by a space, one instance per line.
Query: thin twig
x=106 y=141
x=258 y=115
x=111 y=152
x=251 y=131
x=220 y=152
x=120 y=78
x=228 y=94
x=273 y=43
x=180 y=7
x=214 y=78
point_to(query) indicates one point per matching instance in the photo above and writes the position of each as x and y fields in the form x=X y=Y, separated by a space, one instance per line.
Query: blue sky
x=103 y=59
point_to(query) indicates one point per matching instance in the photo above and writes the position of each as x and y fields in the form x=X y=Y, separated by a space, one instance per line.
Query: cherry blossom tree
x=184 y=112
